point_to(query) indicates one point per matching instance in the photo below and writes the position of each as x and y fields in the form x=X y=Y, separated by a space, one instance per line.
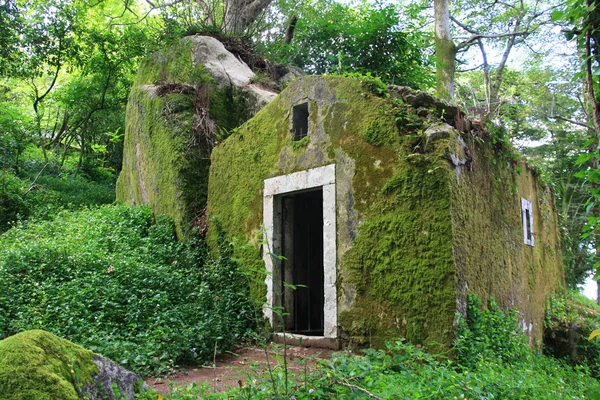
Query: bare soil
x=234 y=368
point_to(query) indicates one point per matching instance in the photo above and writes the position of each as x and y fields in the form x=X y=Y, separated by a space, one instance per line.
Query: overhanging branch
x=558 y=117
x=475 y=38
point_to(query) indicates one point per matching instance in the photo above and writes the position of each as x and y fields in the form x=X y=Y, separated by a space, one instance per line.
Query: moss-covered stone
x=164 y=166
x=38 y=365
x=425 y=214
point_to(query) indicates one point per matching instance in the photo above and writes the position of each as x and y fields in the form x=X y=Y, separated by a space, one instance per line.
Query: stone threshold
x=294 y=339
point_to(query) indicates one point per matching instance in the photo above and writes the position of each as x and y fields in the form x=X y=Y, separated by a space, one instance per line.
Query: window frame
x=528 y=223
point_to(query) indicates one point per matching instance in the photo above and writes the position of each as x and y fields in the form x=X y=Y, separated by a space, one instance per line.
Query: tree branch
x=35 y=180
x=474 y=38
x=568 y=120
x=172 y=3
x=355 y=387
x=470 y=69
x=466 y=28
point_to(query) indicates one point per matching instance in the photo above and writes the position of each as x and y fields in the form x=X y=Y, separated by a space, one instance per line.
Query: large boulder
x=224 y=67
x=184 y=99
x=39 y=365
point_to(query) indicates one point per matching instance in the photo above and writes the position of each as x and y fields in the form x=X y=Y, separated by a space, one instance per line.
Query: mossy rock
x=165 y=165
x=38 y=365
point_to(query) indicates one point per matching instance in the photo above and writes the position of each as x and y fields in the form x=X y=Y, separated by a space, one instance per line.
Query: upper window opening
x=527 y=215
x=300 y=121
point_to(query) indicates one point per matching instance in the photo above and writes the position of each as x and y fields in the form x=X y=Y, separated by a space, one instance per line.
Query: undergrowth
x=116 y=281
x=43 y=196
x=492 y=361
x=570 y=318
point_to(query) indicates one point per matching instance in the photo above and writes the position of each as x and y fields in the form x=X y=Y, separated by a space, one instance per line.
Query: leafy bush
x=364 y=39
x=116 y=280
x=489 y=335
x=570 y=318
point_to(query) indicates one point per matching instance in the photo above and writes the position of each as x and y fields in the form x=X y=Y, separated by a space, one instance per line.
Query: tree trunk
x=289 y=34
x=240 y=14
x=591 y=47
x=445 y=51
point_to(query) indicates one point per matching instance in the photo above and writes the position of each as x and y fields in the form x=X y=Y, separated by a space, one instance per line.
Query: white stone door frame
x=321 y=177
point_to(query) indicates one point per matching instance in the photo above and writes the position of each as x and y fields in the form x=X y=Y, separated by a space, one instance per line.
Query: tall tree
x=584 y=17
x=483 y=25
x=445 y=51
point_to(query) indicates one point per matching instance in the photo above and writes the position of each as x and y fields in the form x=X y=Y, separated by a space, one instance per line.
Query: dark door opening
x=302 y=270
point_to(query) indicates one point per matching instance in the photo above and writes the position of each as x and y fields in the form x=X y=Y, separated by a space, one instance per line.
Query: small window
x=527 y=215
x=300 y=121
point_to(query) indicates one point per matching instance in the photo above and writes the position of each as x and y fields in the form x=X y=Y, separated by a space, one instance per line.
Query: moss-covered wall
x=425 y=214
x=491 y=256
x=395 y=261
x=162 y=165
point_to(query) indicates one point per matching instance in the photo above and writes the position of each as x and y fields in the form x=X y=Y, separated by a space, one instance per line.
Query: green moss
x=249 y=256
x=414 y=230
x=381 y=131
x=228 y=108
x=402 y=258
x=160 y=167
x=163 y=165
x=174 y=64
x=491 y=258
x=299 y=145
x=38 y=365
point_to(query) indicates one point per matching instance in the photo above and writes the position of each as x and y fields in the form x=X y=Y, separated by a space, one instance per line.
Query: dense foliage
x=494 y=362
x=334 y=37
x=42 y=189
x=115 y=280
x=570 y=318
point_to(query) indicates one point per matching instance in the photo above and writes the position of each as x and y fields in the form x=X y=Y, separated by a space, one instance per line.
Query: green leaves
x=338 y=38
x=116 y=280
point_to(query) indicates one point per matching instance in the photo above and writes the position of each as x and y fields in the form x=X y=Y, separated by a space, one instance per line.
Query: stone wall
x=411 y=238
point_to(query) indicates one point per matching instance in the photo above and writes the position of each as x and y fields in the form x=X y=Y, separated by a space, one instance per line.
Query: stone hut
x=367 y=213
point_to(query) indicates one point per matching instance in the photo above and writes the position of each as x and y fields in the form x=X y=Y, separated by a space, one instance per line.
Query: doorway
x=302 y=274
x=300 y=254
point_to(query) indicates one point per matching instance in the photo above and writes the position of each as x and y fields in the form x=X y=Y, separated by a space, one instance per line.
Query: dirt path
x=235 y=367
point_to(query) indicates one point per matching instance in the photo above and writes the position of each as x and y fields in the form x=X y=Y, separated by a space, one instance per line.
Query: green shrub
x=116 y=280
x=570 y=318
x=489 y=335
